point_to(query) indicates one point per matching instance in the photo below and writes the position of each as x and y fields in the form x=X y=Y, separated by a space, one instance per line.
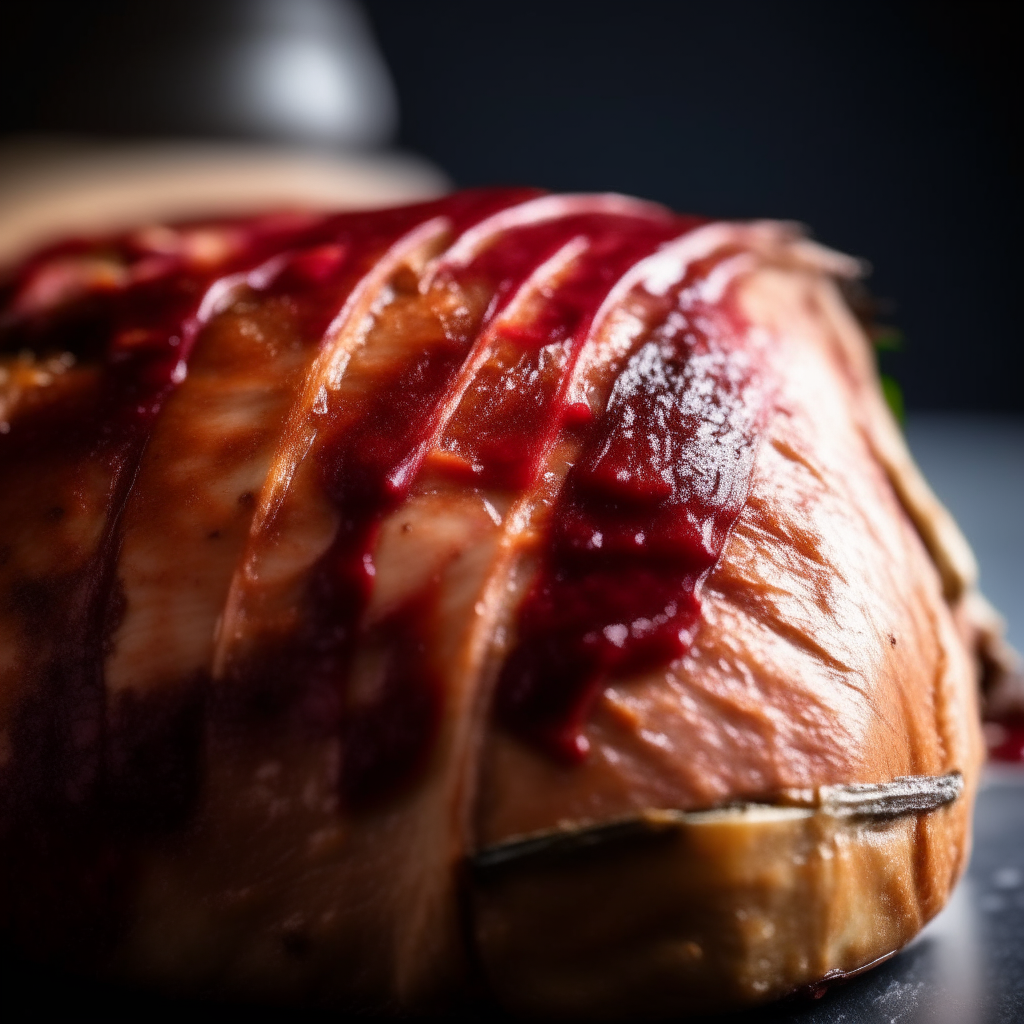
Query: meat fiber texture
x=296 y=620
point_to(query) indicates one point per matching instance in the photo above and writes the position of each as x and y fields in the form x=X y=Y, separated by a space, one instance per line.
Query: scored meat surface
x=338 y=552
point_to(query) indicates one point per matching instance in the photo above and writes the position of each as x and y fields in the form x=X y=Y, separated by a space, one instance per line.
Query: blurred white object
x=305 y=75
x=308 y=70
x=50 y=190
x=298 y=72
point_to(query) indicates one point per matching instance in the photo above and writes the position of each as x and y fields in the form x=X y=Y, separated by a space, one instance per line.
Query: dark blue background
x=886 y=127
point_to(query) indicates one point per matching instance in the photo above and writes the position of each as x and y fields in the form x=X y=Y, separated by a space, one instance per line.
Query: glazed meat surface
x=337 y=549
x=826 y=653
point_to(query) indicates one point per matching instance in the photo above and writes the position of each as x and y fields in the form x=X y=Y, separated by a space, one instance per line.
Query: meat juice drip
x=642 y=520
x=370 y=466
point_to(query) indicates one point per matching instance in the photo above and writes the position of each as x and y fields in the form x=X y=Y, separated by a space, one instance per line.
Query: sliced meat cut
x=510 y=596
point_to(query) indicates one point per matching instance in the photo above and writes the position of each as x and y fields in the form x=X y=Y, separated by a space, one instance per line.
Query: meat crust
x=513 y=593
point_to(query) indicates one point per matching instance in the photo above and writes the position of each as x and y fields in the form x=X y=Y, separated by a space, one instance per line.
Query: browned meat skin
x=827 y=653
x=236 y=661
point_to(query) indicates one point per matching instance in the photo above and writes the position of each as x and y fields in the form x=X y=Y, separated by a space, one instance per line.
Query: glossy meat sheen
x=826 y=654
x=334 y=549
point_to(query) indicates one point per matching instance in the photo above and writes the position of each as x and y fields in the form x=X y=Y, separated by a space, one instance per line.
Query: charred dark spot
x=892 y=640
x=55 y=513
x=246 y=499
x=37 y=599
x=295 y=941
x=213 y=535
x=154 y=755
x=113 y=613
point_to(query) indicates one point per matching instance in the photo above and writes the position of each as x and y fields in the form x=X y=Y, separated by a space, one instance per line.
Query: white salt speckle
x=491 y=511
x=616 y=634
x=656 y=739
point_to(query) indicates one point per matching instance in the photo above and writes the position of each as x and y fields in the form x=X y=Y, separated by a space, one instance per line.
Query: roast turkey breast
x=513 y=596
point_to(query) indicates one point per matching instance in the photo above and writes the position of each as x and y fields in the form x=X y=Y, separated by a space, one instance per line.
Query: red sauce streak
x=140 y=323
x=62 y=817
x=519 y=401
x=369 y=466
x=641 y=521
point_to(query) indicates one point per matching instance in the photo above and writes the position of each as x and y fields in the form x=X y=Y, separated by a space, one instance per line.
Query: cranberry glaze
x=663 y=452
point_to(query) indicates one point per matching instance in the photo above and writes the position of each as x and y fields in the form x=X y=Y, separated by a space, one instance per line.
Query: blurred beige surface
x=53 y=188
